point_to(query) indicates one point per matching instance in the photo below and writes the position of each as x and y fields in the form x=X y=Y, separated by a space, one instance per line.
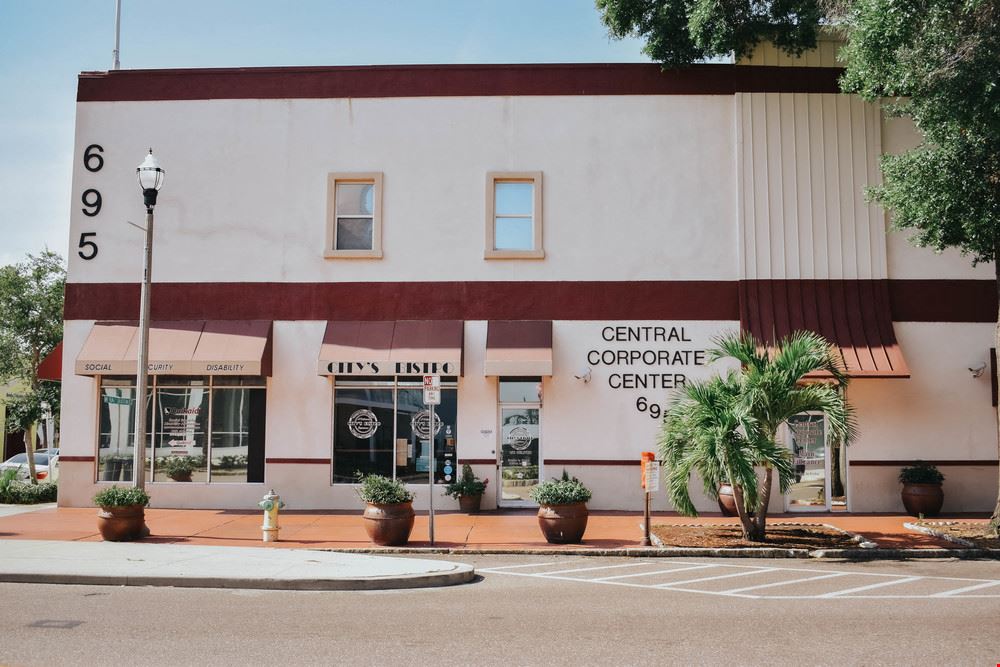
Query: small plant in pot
x=177 y=468
x=468 y=489
x=922 y=492
x=123 y=513
x=388 y=512
x=562 y=512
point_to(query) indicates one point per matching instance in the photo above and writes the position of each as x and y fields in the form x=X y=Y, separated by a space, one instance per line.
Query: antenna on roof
x=118 y=32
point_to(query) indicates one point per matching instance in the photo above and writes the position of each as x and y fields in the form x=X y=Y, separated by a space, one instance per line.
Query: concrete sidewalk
x=190 y=566
x=489 y=531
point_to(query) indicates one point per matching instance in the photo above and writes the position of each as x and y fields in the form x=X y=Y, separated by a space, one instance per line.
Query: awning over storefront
x=190 y=347
x=51 y=366
x=519 y=347
x=403 y=347
x=853 y=315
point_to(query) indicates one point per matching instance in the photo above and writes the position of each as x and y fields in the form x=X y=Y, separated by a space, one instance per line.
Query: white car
x=46 y=465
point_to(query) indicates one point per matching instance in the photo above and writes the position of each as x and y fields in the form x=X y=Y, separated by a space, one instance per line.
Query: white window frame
x=494 y=177
x=373 y=178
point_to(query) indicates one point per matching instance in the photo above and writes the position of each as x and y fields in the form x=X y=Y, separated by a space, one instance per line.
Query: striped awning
x=853 y=315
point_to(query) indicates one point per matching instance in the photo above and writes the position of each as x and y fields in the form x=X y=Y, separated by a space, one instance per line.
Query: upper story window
x=514 y=215
x=354 y=215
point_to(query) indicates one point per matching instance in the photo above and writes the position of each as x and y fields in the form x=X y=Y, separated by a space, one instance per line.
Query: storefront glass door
x=520 y=432
x=811 y=487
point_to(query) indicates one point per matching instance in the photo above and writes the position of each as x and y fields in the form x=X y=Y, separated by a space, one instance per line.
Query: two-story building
x=559 y=242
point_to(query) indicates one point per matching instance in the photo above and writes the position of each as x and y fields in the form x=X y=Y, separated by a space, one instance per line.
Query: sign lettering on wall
x=651 y=359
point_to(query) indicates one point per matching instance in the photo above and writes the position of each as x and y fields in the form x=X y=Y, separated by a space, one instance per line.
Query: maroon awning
x=404 y=347
x=51 y=366
x=518 y=347
x=853 y=315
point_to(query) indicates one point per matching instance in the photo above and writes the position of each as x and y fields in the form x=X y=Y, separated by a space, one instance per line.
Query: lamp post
x=150 y=181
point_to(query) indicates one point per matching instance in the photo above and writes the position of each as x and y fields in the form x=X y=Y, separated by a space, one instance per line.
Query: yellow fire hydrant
x=271 y=503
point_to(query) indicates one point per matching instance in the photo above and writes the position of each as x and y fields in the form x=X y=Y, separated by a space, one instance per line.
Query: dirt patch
x=783 y=536
x=963 y=530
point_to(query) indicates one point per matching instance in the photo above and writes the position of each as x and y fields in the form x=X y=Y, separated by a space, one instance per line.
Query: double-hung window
x=514 y=215
x=354 y=216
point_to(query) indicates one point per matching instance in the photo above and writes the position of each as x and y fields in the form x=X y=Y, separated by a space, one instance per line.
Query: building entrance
x=519 y=452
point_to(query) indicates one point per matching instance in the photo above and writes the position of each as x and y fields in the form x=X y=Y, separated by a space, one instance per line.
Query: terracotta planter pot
x=181 y=477
x=121 y=524
x=470 y=504
x=727 y=501
x=563 y=524
x=389 y=525
x=923 y=499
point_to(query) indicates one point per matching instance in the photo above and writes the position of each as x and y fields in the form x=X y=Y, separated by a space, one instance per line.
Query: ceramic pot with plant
x=468 y=489
x=388 y=515
x=922 y=491
x=177 y=468
x=562 y=511
x=123 y=513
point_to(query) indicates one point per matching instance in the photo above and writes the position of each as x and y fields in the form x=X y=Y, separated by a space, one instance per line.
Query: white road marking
x=721 y=576
x=511 y=567
x=880 y=584
x=588 y=569
x=785 y=583
x=976 y=587
x=649 y=574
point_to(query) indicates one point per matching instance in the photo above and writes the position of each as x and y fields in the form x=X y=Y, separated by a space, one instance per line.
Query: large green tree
x=31 y=310
x=726 y=429
x=935 y=61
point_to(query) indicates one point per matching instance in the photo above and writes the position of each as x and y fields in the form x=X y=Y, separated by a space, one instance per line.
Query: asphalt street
x=531 y=610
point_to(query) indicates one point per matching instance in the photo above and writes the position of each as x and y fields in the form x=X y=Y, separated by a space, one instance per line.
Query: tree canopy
x=31 y=313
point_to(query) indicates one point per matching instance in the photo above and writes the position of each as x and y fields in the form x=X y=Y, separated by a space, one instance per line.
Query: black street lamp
x=150 y=176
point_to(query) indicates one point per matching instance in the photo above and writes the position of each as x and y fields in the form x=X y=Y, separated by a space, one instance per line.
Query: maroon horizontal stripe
x=950 y=462
x=653 y=300
x=943 y=300
x=593 y=462
x=76 y=459
x=909 y=300
x=477 y=462
x=451 y=80
x=320 y=461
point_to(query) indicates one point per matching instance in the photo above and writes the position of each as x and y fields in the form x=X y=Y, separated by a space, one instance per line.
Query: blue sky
x=44 y=44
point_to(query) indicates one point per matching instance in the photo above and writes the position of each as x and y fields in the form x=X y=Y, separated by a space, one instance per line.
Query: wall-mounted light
x=583 y=374
x=978 y=370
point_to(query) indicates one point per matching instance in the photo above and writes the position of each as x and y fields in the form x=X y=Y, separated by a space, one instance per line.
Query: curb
x=461 y=575
x=680 y=552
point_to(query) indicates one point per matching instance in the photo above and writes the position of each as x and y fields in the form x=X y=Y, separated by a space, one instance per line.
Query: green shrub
x=17 y=492
x=121 y=496
x=176 y=466
x=921 y=473
x=560 y=491
x=382 y=490
x=466 y=485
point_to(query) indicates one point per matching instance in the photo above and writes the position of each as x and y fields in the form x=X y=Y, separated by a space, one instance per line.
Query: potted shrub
x=123 y=513
x=562 y=512
x=177 y=468
x=388 y=512
x=922 y=493
x=468 y=489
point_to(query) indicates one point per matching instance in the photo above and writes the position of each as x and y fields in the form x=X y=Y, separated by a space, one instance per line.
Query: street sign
x=652 y=476
x=432 y=390
x=644 y=460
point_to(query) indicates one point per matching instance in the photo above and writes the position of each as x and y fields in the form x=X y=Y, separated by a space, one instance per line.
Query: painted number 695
x=654 y=410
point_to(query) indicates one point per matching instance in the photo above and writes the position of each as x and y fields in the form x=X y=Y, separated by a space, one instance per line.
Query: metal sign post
x=650 y=483
x=432 y=397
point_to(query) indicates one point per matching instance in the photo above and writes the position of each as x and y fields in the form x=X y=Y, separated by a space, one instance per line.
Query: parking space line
x=511 y=567
x=880 y=584
x=975 y=587
x=721 y=576
x=588 y=569
x=785 y=583
x=649 y=574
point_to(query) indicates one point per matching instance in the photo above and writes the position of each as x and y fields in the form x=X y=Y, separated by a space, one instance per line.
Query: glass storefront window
x=382 y=428
x=206 y=429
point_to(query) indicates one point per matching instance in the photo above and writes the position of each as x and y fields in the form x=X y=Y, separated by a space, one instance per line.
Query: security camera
x=583 y=374
x=978 y=370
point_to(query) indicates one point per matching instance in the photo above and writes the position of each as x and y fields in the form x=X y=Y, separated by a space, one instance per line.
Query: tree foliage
x=680 y=32
x=725 y=428
x=31 y=312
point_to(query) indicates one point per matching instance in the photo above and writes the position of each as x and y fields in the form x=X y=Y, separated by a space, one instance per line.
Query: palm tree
x=725 y=428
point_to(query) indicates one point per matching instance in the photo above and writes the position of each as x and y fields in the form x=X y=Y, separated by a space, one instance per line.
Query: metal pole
x=430 y=477
x=142 y=372
x=118 y=33
x=645 y=526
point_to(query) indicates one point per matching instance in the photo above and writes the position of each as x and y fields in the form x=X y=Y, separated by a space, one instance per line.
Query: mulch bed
x=783 y=536
x=973 y=532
